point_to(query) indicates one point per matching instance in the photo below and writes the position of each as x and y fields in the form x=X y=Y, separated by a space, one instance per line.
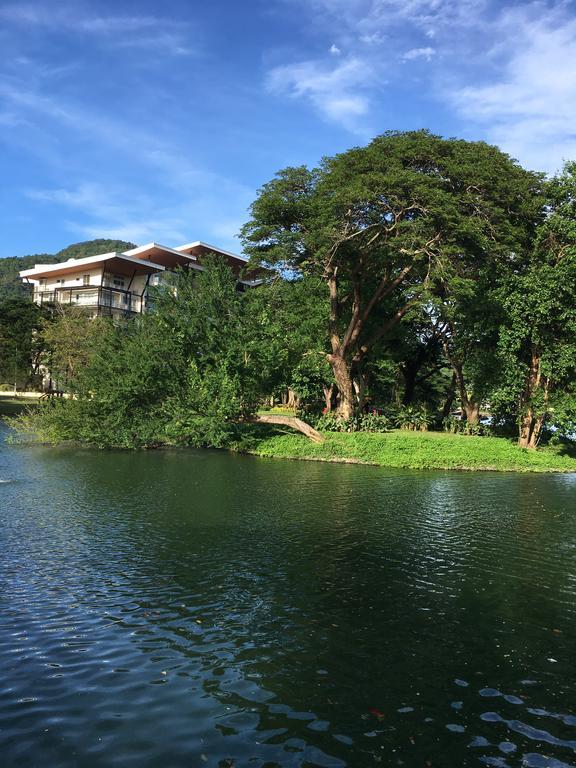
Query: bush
x=367 y=422
x=412 y=417
x=329 y=422
x=374 y=422
x=460 y=426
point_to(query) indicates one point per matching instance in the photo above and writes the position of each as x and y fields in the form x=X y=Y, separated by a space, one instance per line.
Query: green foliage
x=20 y=349
x=457 y=426
x=367 y=422
x=411 y=221
x=286 y=330
x=11 y=286
x=178 y=375
x=93 y=248
x=375 y=422
x=412 y=417
x=68 y=337
x=537 y=339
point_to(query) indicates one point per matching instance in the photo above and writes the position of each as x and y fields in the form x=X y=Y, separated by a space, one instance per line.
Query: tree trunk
x=471 y=411
x=347 y=403
x=409 y=372
x=530 y=428
x=290 y=421
x=449 y=402
x=469 y=405
x=359 y=384
x=531 y=423
x=328 y=392
x=291 y=398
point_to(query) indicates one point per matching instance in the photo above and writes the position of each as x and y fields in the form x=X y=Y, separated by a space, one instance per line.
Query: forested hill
x=10 y=283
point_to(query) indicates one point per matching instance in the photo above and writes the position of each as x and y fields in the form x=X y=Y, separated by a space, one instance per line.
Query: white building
x=117 y=283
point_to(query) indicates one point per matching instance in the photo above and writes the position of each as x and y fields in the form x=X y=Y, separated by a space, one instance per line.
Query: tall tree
x=380 y=225
x=538 y=338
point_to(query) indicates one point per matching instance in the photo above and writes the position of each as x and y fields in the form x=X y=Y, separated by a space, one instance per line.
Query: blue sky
x=160 y=120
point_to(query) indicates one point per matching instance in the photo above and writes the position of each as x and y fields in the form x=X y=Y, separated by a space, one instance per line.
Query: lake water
x=194 y=608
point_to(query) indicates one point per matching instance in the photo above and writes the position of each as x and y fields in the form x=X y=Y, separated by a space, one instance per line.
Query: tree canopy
x=387 y=227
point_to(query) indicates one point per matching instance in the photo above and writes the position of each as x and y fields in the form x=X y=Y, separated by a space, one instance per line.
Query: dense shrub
x=367 y=422
x=456 y=426
x=415 y=418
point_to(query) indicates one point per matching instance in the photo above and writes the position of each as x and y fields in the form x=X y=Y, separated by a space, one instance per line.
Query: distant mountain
x=10 y=284
x=92 y=248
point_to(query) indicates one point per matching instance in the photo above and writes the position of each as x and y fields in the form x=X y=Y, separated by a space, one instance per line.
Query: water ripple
x=193 y=608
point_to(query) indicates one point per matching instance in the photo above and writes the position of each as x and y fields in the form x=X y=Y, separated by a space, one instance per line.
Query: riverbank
x=11 y=405
x=412 y=450
x=400 y=449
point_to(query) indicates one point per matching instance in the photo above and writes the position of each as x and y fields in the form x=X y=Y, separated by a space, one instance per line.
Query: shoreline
x=396 y=449
x=360 y=463
x=400 y=449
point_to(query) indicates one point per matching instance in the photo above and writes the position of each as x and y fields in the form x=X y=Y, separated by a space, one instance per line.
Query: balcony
x=104 y=300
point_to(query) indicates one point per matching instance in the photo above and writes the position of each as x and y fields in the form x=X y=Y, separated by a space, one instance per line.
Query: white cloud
x=419 y=53
x=529 y=108
x=115 y=211
x=120 y=31
x=336 y=91
x=507 y=70
x=196 y=202
x=382 y=34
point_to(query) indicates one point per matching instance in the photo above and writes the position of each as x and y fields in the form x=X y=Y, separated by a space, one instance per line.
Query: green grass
x=278 y=410
x=416 y=450
x=12 y=406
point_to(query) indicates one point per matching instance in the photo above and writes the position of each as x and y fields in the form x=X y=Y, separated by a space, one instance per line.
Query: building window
x=86 y=280
x=118 y=281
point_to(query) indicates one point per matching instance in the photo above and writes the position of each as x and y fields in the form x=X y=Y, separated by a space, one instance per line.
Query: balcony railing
x=102 y=298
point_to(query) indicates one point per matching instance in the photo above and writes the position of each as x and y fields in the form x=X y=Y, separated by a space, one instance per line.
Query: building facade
x=116 y=284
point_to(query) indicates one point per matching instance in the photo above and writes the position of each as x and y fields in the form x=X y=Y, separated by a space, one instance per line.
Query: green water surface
x=195 y=608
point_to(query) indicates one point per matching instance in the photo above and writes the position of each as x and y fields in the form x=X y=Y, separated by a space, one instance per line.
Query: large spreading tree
x=389 y=228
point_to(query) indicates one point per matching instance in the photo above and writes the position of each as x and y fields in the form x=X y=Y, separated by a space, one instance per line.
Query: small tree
x=69 y=338
x=20 y=321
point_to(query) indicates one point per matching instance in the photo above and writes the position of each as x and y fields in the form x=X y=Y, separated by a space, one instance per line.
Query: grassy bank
x=11 y=406
x=416 y=450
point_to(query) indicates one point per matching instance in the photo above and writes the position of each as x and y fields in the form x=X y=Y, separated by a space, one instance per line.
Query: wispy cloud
x=114 y=213
x=337 y=91
x=419 y=53
x=117 y=211
x=195 y=201
x=529 y=107
x=382 y=34
x=507 y=71
x=120 y=31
